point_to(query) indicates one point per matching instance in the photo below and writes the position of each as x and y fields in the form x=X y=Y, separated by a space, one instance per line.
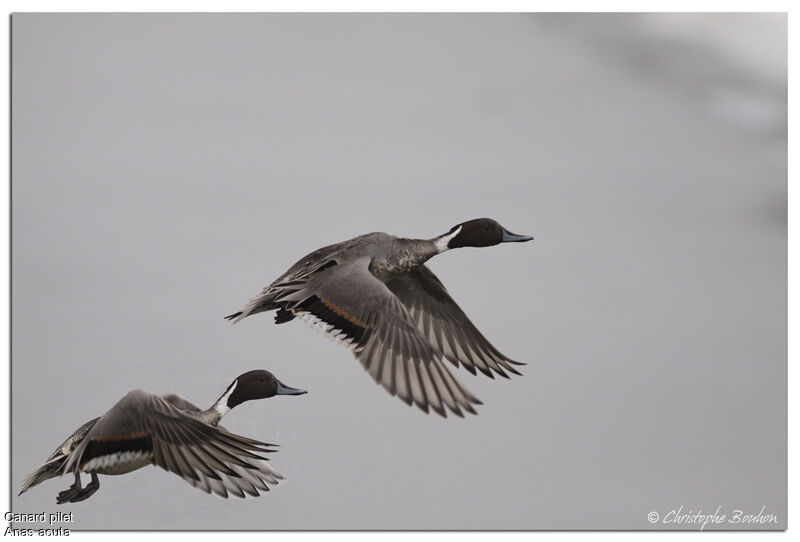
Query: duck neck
x=441 y=243
x=406 y=254
x=213 y=415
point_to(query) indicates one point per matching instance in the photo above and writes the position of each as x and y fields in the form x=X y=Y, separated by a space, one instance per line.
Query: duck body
x=374 y=294
x=170 y=432
x=388 y=256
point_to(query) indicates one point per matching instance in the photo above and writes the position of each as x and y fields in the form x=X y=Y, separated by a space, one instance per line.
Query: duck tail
x=259 y=304
x=51 y=469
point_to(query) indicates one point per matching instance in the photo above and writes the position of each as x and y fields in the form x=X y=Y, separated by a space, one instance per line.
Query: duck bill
x=286 y=390
x=509 y=237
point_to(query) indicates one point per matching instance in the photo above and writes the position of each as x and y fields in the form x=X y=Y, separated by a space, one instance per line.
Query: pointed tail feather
x=51 y=469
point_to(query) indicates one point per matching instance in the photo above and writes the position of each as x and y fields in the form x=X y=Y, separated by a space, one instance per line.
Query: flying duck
x=169 y=431
x=374 y=294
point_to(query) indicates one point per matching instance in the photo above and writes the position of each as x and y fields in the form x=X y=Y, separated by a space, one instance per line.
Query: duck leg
x=88 y=491
x=76 y=493
x=68 y=494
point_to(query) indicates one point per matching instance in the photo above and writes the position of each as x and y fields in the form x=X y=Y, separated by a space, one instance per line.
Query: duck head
x=481 y=232
x=258 y=384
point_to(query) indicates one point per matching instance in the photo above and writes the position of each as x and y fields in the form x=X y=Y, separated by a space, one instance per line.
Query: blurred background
x=166 y=167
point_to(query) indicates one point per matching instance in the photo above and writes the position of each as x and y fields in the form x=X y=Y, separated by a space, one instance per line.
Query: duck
x=374 y=294
x=172 y=433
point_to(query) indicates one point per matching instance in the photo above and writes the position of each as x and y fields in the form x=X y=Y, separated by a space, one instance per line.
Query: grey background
x=166 y=167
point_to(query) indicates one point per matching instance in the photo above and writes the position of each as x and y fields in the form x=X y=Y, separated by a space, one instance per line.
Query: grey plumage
x=375 y=294
x=54 y=464
x=171 y=433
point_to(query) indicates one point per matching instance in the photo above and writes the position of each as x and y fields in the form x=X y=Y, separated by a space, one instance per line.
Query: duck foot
x=76 y=493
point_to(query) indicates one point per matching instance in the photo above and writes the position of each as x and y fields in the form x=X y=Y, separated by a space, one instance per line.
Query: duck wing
x=143 y=426
x=180 y=403
x=446 y=326
x=358 y=309
x=187 y=406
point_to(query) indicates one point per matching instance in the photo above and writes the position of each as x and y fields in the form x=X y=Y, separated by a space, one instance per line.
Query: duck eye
x=261 y=380
x=487 y=227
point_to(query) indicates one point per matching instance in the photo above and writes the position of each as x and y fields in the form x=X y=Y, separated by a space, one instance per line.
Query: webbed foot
x=68 y=494
x=88 y=491
x=76 y=492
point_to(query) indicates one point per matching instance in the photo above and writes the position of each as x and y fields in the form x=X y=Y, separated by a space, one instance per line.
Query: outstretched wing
x=180 y=403
x=446 y=326
x=360 y=310
x=143 y=427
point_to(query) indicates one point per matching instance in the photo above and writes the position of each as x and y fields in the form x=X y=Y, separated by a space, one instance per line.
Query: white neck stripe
x=222 y=407
x=441 y=242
